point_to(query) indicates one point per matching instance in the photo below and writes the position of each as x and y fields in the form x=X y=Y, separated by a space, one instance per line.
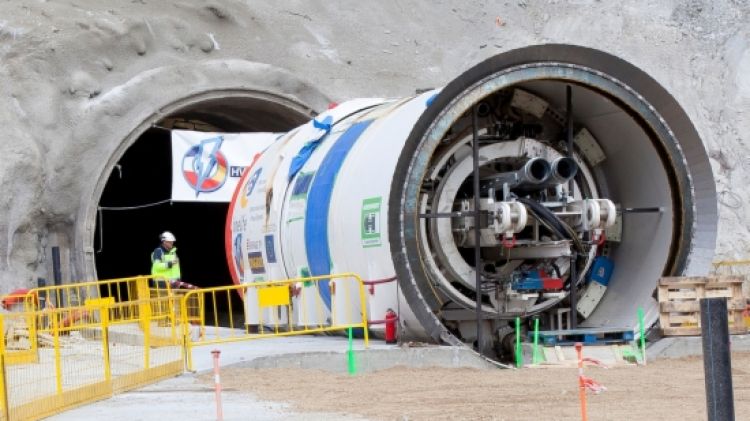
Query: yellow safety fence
x=270 y=309
x=72 y=344
x=77 y=343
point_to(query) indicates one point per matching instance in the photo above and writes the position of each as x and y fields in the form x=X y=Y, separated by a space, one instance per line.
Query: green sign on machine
x=370 y=224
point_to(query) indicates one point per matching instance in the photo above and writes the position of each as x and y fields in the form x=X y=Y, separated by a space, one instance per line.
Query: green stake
x=535 y=357
x=642 y=327
x=519 y=356
x=352 y=364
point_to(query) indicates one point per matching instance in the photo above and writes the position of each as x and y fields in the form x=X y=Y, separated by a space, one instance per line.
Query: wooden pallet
x=679 y=303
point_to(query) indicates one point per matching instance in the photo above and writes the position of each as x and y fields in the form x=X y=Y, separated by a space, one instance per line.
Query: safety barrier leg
x=58 y=360
x=3 y=383
x=104 y=315
x=146 y=320
x=187 y=340
x=33 y=337
x=363 y=305
x=144 y=297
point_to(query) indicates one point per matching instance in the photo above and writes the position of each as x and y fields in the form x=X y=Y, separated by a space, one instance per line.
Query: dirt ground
x=669 y=389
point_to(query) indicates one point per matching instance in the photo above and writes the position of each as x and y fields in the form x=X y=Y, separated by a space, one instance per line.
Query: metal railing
x=72 y=344
x=271 y=309
x=106 y=340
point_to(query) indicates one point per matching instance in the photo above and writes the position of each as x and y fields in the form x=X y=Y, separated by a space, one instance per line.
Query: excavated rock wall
x=79 y=76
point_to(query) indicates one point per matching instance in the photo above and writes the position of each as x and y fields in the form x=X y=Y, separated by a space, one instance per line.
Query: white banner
x=207 y=166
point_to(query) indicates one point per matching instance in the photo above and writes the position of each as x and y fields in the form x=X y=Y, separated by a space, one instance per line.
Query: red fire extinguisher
x=390 y=326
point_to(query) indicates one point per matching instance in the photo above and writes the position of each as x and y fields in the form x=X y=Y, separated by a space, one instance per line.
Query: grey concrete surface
x=684 y=346
x=375 y=359
x=185 y=398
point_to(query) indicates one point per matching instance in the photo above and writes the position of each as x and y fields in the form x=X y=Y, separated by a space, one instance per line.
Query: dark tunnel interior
x=135 y=206
x=140 y=188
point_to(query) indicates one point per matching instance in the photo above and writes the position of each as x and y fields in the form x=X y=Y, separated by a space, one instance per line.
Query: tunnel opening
x=135 y=206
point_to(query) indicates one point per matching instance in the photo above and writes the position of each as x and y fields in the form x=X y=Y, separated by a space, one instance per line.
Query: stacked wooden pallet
x=679 y=303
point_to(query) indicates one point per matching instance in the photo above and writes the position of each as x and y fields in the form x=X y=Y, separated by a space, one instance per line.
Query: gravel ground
x=668 y=389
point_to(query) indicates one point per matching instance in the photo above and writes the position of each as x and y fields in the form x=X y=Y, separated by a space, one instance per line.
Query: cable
x=543 y=213
x=161 y=202
x=546 y=222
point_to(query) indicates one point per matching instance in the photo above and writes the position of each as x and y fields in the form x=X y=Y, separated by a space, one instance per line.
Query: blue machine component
x=319 y=203
x=529 y=282
x=601 y=270
x=535 y=280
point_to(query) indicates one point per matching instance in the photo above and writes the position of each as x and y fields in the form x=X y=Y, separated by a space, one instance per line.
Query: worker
x=164 y=262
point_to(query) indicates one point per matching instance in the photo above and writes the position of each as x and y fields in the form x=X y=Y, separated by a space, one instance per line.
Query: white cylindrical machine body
x=589 y=178
x=329 y=214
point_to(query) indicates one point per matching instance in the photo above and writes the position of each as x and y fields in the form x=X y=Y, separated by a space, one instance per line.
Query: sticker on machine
x=302 y=185
x=255 y=261
x=237 y=253
x=270 y=249
x=370 y=223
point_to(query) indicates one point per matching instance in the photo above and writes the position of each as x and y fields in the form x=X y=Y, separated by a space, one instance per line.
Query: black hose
x=561 y=228
x=545 y=214
x=560 y=234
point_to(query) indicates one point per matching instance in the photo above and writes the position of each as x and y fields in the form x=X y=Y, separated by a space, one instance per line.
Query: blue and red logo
x=204 y=166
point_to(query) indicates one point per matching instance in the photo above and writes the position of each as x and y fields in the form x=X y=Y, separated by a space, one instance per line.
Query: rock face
x=79 y=77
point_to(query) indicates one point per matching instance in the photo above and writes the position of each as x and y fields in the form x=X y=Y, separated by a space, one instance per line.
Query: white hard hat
x=167 y=236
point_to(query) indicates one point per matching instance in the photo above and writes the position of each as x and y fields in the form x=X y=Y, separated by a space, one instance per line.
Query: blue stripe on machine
x=318 y=204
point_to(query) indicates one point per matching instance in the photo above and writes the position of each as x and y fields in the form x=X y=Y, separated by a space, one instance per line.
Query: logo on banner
x=204 y=166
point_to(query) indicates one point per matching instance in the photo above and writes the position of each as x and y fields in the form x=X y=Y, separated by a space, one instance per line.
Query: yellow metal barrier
x=103 y=339
x=123 y=290
x=272 y=309
x=86 y=341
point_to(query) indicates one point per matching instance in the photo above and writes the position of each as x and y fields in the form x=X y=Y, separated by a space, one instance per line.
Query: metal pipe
x=562 y=170
x=573 y=290
x=56 y=273
x=717 y=361
x=477 y=231
x=643 y=210
x=574 y=255
x=534 y=173
x=217 y=385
